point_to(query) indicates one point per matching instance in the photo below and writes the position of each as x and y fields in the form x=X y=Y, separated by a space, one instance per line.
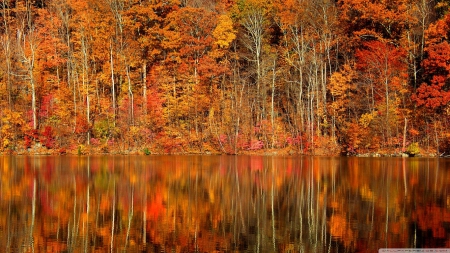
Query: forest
x=225 y=76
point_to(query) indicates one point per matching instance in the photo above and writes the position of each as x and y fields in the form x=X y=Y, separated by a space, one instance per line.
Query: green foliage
x=102 y=129
x=147 y=151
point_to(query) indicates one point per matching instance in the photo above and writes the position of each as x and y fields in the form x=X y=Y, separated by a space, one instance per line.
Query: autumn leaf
x=224 y=32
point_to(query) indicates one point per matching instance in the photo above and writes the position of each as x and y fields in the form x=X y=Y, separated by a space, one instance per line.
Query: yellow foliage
x=134 y=131
x=341 y=82
x=10 y=120
x=366 y=119
x=336 y=86
x=211 y=114
x=224 y=32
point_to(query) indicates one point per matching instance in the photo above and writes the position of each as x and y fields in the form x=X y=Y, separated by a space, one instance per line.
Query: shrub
x=413 y=149
x=101 y=129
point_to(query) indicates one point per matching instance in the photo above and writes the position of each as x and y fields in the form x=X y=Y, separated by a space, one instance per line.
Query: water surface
x=222 y=204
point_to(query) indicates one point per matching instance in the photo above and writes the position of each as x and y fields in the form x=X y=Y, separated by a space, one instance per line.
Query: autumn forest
x=225 y=76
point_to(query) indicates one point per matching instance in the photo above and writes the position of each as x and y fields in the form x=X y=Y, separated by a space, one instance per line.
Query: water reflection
x=222 y=204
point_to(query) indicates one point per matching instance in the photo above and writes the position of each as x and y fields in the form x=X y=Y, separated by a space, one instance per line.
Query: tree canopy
x=225 y=76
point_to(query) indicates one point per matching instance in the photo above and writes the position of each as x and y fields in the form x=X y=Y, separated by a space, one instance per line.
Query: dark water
x=222 y=204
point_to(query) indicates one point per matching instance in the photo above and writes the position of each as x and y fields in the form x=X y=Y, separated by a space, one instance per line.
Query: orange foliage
x=193 y=76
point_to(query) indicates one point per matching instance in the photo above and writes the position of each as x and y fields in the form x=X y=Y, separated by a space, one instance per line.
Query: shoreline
x=270 y=152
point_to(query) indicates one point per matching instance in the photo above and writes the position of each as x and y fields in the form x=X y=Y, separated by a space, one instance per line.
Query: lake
x=222 y=203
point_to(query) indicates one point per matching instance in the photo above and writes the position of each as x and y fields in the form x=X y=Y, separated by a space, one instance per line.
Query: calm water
x=222 y=204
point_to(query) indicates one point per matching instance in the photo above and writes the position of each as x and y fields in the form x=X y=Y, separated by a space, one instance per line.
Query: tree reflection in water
x=222 y=203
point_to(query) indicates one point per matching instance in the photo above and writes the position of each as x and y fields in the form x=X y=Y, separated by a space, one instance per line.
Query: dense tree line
x=225 y=76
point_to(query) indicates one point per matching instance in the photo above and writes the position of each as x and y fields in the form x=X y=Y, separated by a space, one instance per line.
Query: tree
x=309 y=45
x=254 y=19
x=433 y=92
x=384 y=70
x=344 y=100
x=192 y=81
x=28 y=43
x=362 y=20
x=7 y=44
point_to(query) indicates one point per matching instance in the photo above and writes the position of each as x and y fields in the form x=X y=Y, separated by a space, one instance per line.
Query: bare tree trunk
x=196 y=83
x=254 y=25
x=7 y=49
x=130 y=96
x=31 y=62
x=86 y=83
x=26 y=34
x=404 y=135
x=274 y=76
x=113 y=84
x=117 y=6
x=437 y=139
x=386 y=84
x=144 y=87
x=33 y=92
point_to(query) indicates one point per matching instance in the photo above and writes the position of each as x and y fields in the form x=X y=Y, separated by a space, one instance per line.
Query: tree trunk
x=144 y=87
x=7 y=49
x=272 y=102
x=130 y=96
x=113 y=85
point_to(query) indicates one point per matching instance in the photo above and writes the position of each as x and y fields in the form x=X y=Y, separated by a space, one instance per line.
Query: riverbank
x=288 y=151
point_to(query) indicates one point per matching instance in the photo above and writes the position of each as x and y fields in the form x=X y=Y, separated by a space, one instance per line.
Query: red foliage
x=46 y=106
x=47 y=138
x=95 y=142
x=155 y=112
x=82 y=125
x=383 y=61
x=224 y=141
x=210 y=69
x=433 y=92
x=232 y=143
x=29 y=137
x=299 y=141
x=255 y=145
x=27 y=141
x=432 y=95
x=437 y=61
